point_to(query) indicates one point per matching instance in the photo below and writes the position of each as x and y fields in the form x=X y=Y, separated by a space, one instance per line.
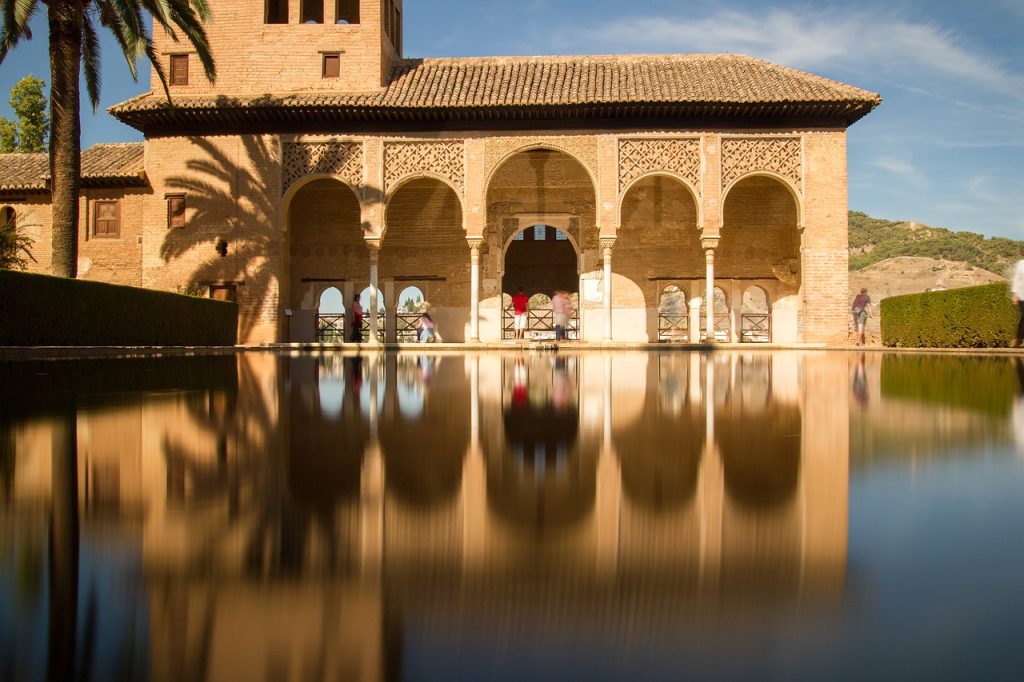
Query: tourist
x=427 y=331
x=861 y=310
x=561 y=307
x=521 y=307
x=357 y=321
x=1017 y=293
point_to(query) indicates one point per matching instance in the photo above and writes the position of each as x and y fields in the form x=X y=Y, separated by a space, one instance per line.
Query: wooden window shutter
x=176 y=211
x=179 y=69
x=107 y=219
x=224 y=292
x=332 y=65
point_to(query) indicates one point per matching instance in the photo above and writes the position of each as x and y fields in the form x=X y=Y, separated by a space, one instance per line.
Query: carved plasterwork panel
x=343 y=160
x=778 y=155
x=583 y=148
x=679 y=156
x=444 y=159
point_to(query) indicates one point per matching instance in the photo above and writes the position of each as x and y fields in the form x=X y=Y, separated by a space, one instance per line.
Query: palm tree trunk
x=65 y=17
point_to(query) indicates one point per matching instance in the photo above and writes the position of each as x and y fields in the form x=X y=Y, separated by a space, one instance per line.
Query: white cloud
x=902 y=167
x=978 y=187
x=883 y=43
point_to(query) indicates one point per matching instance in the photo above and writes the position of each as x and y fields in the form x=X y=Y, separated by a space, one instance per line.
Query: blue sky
x=945 y=148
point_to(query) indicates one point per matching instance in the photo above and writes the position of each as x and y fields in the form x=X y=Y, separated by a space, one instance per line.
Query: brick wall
x=254 y=57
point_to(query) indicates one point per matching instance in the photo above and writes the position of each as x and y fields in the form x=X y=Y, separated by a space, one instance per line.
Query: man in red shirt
x=520 y=306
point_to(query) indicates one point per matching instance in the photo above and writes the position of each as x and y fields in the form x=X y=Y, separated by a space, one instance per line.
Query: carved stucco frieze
x=583 y=148
x=679 y=156
x=778 y=155
x=343 y=160
x=444 y=159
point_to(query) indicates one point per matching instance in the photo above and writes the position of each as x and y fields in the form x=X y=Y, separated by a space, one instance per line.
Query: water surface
x=514 y=516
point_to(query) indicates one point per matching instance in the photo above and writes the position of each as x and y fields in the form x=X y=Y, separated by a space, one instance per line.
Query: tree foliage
x=74 y=53
x=15 y=246
x=873 y=240
x=27 y=133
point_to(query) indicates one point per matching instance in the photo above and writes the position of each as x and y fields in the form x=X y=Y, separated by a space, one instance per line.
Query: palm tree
x=74 y=45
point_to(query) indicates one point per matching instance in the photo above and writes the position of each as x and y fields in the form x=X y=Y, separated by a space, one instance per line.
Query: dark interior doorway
x=541 y=259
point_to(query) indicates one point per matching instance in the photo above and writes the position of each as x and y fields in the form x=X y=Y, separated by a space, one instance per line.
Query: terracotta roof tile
x=510 y=82
x=101 y=164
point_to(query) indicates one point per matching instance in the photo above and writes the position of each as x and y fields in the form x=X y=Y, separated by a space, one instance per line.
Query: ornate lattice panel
x=778 y=155
x=445 y=159
x=679 y=156
x=343 y=160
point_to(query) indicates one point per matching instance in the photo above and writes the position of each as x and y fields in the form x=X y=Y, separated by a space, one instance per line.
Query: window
x=277 y=12
x=346 y=11
x=561 y=236
x=332 y=65
x=539 y=233
x=8 y=219
x=224 y=292
x=179 y=69
x=175 y=211
x=312 y=12
x=106 y=219
x=519 y=236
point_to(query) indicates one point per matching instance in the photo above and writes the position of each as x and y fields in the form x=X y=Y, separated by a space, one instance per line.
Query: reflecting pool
x=518 y=516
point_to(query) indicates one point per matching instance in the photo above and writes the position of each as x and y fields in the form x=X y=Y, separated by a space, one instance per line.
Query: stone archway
x=760 y=244
x=540 y=260
x=325 y=249
x=536 y=195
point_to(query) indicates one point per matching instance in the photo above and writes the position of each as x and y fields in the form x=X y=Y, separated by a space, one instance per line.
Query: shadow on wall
x=247 y=227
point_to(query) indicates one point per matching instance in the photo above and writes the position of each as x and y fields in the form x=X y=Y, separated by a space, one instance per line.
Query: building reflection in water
x=332 y=517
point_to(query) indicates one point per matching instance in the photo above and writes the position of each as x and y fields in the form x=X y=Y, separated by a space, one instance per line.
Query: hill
x=873 y=240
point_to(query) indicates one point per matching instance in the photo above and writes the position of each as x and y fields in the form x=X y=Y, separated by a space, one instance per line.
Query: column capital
x=607 y=242
x=709 y=243
x=475 y=242
x=373 y=244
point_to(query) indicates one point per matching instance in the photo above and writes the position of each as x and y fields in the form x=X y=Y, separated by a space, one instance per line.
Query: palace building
x=322 y=159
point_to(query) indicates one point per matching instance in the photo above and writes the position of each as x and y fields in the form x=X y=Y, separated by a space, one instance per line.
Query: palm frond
x=16 y=15
x=91 y=60
x=191 y=25
x=159 y=10
x=154 y=59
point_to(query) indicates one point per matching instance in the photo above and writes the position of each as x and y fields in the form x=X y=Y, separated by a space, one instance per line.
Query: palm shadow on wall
x=232 y=201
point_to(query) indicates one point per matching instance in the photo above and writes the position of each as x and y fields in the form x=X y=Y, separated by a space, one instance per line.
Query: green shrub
x=38 y=310
x=973 y=317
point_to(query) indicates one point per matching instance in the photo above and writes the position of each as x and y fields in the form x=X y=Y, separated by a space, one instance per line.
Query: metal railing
x=380 y=327
x=540 y=324
x=673 y=327
x=330 y=328
x=407 y=330
x=722 y=327
x=755 y=327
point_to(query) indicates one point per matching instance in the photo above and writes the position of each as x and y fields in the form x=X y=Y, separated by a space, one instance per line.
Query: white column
x=709 y=245
x=474 y=294
x=372 y=312
x=606 y=251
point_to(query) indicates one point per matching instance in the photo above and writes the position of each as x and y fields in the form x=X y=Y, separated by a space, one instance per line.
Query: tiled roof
x=522 y=86
x=102 y=164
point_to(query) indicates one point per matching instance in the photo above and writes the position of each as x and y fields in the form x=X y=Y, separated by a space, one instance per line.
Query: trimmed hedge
x=973 y=317
x=39 y=310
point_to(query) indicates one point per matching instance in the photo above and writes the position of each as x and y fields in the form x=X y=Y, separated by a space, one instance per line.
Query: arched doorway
x=425 y=244
x=755 y=316
x=539 y=201
x=673 y=314
x=760 y=244
x=540 y=260
x=330 y=316
x=408 y=312
x=657 y=244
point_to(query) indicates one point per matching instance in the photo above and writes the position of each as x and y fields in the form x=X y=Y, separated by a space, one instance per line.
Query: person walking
x=357 y=321
x=561 y=307
x=428 y=333
x=1017 y=294
x=861 y=310
x=521 y=308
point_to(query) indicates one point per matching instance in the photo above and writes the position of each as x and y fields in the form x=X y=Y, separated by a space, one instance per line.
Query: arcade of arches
x=638 y=268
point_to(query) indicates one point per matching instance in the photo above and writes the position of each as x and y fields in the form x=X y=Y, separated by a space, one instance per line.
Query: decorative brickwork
x=444 y=159
x=678 y=156
x=778 y=155
x=343 y=160
x=583 y=148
